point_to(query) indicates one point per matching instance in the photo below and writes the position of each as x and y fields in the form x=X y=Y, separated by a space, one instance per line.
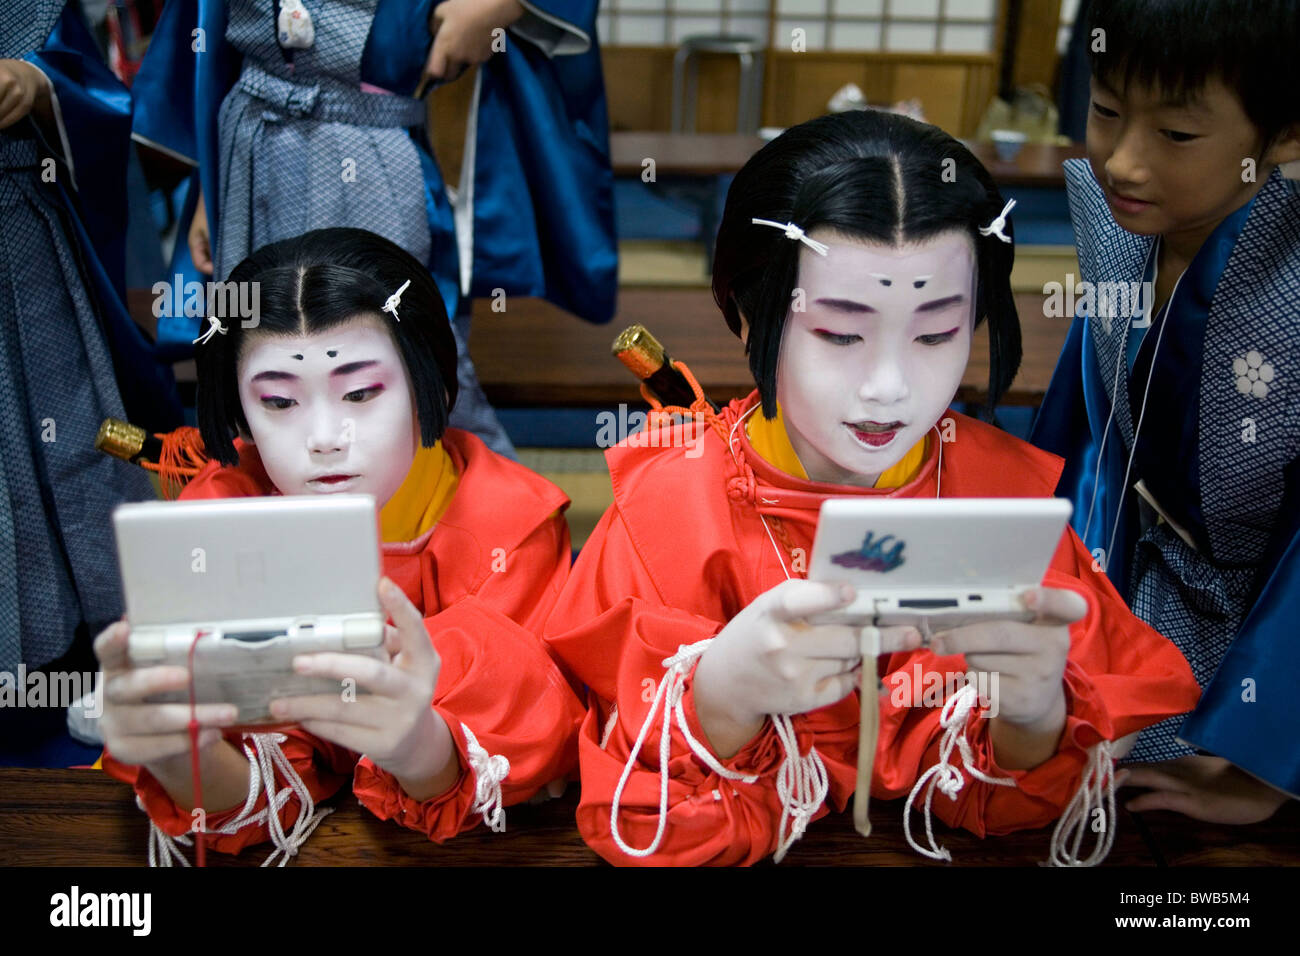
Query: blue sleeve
x=94 y=112
x=186 y=73
x=1247 y=712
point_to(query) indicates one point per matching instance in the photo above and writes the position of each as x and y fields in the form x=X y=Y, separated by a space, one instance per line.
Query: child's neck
x=1178 y=249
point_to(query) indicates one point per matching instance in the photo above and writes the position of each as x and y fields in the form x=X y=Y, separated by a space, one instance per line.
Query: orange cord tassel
x=183 y=456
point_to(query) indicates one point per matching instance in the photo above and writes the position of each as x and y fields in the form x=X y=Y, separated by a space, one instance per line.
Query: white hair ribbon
x=995 y=227
x=214 y=326
x=794 y=232
x=395 y=300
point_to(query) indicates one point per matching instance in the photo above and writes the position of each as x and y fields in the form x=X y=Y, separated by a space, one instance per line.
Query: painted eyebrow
x=845 y=305
x=937 y=304
x=345 y=369
x=273 y=376
x=848 y=305
x=348 y=368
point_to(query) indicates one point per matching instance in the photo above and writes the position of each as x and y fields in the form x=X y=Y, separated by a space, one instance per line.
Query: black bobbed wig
x=868 y=175
x=315 y=282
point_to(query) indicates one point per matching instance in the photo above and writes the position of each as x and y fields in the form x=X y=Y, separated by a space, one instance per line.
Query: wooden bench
x=534 y=354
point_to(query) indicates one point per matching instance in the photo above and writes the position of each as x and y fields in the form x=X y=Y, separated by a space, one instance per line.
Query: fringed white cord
x=489 y=771
x=269 y=758
x=164 y=849
x=801 y=783
x=670 y=692
x=1096 y=793
x=263 y=757
x=945 y=776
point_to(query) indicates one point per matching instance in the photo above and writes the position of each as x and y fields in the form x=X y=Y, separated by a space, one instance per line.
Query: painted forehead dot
x=298 y=357
x=885 y=280
x=332 y=352
x=920 y=281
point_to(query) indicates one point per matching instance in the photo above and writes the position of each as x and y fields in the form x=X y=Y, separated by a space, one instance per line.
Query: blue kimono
x=1214 y=564
x=70 y=355
x=273 y=132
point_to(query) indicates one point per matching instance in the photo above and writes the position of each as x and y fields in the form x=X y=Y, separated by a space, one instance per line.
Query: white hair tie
x=214 y=326
x=995 y=227
x=794 y=232
x=395 y=300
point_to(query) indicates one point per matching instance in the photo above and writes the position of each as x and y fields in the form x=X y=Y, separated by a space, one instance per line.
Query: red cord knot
x=743 y=487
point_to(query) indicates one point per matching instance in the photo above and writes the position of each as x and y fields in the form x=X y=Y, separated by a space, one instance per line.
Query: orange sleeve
x=323 y=768
x=1120 y=676
x=611 y=628
x=498 y=682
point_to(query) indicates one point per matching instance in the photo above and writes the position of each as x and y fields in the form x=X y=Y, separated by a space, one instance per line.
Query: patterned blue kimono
x=1219 y=451
x=285 y=141
x=69 y=353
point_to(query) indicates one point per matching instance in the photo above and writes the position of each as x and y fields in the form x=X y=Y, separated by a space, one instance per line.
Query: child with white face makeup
x=345 y=385
x=720 y=720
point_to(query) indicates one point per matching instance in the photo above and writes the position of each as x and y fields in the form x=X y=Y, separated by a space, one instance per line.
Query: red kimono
x=485 y=577
x=683 y=550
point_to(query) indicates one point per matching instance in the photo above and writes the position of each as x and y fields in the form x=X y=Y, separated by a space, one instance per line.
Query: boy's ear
x=1286 y=148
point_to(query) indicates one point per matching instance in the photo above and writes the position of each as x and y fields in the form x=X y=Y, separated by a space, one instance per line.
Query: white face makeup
x=878 y=353
x=332 y=411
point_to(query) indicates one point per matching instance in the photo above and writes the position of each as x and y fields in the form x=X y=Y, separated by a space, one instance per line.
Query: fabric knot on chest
x=743 y=486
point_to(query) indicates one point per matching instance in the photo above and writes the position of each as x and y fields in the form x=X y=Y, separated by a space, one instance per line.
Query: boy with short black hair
x=1180 y=420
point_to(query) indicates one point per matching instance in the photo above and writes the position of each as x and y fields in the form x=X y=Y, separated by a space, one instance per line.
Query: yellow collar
x=769 y=438
x=424 y=495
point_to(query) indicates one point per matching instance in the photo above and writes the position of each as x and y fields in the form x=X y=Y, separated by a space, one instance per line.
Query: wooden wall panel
x=954 y=90
x=1036 y=57
x=941 y=90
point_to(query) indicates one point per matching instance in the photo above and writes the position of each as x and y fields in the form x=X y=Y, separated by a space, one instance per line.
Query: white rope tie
x=794 y=232
x=995 y=227
x=164 y=849
x=269 y=758
x=263 y=758
x=670 y=692
x=489 y=771
x=394 y=300
x=943 y=775
x=214 y=326
x=801 y=783
x=1096 y=794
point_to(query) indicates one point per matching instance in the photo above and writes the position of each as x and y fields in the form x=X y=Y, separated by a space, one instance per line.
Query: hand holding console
x=242 y=587
x=770 y=660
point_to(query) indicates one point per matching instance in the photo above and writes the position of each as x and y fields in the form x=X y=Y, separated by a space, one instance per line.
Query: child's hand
x=394 y=725
x=1029 y=661
x=136 y=732
x=1203 y=788
x=462 y=34
x=199 y=239
x=22 y=89
x=769 y=660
